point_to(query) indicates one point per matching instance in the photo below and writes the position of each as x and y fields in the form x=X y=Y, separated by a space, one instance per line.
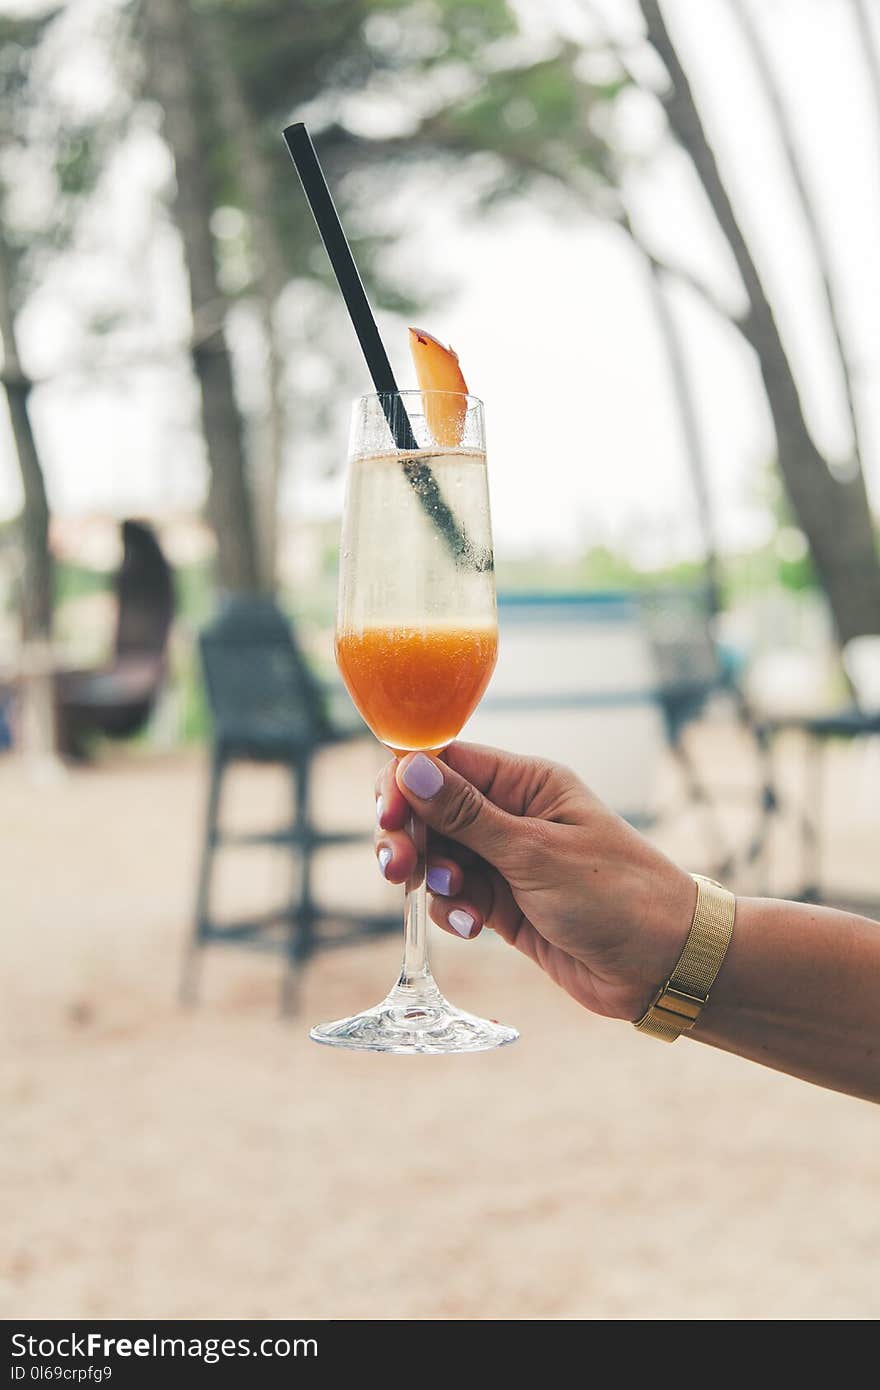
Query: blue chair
x=858 y=719
x=268 y=707
x=692 y=669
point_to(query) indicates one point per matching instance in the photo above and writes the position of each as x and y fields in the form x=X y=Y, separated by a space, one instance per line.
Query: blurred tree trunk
x=834 y=513
x=36 y=588
x=172 y=61
x=241 y=131
x=821 y=250
x=687 y=415
x=37 y=732
x=673 y=344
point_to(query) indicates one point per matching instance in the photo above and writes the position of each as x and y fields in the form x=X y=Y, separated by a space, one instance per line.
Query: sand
x=159 y=1162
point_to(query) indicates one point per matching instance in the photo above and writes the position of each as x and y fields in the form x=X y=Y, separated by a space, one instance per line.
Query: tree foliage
x=386 y=87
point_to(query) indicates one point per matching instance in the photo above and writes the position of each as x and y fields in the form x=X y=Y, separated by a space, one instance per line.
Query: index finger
x=392 y=808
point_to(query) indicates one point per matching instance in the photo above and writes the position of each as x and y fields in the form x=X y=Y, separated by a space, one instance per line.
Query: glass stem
x=416 y=972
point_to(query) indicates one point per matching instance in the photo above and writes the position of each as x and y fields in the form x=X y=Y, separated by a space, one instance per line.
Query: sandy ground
x=215 y=1163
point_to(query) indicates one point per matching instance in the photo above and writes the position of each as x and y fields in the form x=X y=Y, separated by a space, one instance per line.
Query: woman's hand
x=523 y=847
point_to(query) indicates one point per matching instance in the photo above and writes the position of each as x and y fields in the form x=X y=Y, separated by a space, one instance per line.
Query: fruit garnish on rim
x=437 y=369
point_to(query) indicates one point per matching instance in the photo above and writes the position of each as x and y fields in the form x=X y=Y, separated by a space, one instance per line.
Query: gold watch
x=679 y=1003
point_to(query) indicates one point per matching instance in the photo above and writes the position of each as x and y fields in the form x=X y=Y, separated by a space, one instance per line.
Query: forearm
x=799 y=991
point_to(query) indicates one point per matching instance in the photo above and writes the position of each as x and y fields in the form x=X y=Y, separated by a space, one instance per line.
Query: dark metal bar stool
x=817 y=732
x=268 y=707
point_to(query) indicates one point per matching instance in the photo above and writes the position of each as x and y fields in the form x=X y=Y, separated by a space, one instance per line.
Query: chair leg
x=304 y=821
x=721 y=857
x=812 y=821
x=300 y=924
x=758 y=850
x=192 y=958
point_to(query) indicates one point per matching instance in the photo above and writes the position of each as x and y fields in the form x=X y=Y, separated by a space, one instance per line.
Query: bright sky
x=551 y=320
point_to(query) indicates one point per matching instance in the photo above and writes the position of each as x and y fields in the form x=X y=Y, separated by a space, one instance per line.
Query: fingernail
x=461 y=921
x=380 y=807
x=440 y=881
x=423 y=777
x=384 y=856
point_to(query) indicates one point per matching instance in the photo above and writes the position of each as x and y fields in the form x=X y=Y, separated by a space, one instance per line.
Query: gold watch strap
x=681 y=1000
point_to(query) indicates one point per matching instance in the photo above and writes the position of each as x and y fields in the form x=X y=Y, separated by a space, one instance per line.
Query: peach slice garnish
x=437 y=370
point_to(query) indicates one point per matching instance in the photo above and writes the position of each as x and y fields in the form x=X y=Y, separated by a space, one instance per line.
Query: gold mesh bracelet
x=681 y=1000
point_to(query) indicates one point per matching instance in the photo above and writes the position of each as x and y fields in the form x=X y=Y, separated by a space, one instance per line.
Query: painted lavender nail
x=440 y=881
x=380 y=808
x=423 y=777
x=461 y=921
x=384 y=856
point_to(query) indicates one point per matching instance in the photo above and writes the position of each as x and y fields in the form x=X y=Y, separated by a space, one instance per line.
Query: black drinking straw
x=311 y=175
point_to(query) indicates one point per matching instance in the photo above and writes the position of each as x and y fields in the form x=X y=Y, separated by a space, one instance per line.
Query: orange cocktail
x=416 y=644
x=417 y=687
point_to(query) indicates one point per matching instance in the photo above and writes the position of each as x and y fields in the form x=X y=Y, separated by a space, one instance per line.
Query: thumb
x=447 y=802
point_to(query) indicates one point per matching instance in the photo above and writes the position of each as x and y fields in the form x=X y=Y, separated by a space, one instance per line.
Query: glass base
x=414 y=1021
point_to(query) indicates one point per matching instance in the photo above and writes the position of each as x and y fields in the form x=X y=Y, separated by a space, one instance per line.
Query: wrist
x=681 y=999
x=665 y=922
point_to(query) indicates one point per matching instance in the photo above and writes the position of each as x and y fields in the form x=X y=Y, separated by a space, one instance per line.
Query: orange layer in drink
x=417 y=687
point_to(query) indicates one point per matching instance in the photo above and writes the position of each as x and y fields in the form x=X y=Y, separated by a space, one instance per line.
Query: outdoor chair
x=693 y=670
x=267 y=707
x=858 y=719
x=116 y=700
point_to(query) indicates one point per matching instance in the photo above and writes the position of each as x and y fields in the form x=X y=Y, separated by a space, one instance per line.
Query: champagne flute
x=416 y=644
